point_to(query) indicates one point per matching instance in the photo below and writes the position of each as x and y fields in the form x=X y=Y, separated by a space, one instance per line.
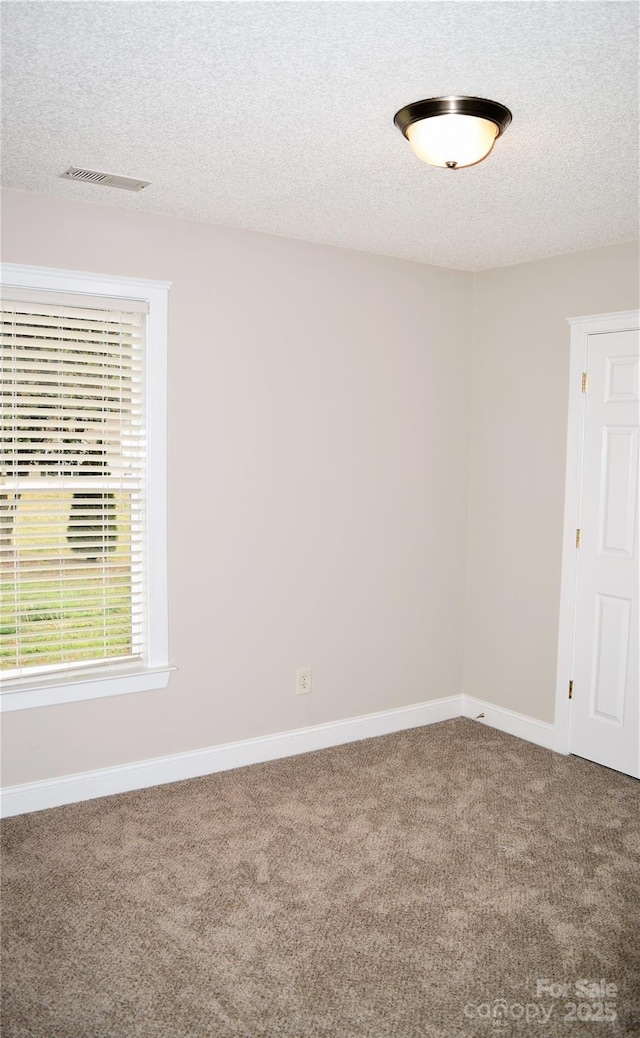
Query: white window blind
x=72 y=484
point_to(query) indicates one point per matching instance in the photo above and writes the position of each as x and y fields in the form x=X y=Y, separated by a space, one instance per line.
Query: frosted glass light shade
x=452 y=131
x=452 y=140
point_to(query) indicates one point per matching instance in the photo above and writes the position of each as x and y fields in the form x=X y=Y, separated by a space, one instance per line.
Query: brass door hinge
x=571 y=690
x=578 y=538
x=585 y=381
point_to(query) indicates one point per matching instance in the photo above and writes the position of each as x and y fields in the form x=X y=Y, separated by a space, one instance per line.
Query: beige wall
x=319 y=432
x=320 y=421
x=517 y=471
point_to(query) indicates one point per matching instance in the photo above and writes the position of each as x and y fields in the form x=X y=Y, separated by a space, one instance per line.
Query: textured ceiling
x=278 y=117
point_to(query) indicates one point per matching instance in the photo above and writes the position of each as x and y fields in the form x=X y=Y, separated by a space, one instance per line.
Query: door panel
x=619 y=491
x=611 y=658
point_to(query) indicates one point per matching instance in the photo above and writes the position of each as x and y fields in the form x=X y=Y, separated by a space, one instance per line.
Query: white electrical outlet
x=303 y=681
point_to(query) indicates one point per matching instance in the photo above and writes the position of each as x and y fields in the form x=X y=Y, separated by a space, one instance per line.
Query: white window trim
x=95 y=682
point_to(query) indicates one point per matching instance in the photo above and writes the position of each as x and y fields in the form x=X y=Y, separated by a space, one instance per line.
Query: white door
x=604 y=721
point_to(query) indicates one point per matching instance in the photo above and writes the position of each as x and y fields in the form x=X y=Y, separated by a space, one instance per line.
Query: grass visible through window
x=65 y=607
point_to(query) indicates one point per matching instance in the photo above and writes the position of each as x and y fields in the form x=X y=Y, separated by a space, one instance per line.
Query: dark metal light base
x=476 y=106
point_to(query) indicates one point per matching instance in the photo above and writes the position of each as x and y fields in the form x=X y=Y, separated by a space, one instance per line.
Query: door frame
x=581 y=329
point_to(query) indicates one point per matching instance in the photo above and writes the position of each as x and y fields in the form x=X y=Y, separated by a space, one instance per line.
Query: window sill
x=27 y=693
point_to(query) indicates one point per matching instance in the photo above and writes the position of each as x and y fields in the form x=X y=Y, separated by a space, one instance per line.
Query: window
x=82 y=486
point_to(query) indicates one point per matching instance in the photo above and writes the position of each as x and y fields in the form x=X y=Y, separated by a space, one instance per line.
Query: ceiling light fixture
x=452 y=131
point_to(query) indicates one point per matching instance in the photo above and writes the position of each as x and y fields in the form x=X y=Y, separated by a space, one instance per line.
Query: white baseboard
x=69 y=789
x=539 y=732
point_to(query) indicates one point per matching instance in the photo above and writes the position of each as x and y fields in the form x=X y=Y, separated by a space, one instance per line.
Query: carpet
x=445 y=882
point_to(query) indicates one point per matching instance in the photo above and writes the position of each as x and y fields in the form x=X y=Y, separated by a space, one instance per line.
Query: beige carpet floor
x=447 y=882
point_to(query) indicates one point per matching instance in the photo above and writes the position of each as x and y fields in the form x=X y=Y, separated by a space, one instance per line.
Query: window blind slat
x=102 y=364
x=111 y=362
x=34 y=327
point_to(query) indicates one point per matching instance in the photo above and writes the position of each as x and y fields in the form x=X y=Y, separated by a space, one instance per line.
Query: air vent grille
x=94 y=176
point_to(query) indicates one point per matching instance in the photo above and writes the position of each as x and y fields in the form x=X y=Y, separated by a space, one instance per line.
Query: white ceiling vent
x=94 y=176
